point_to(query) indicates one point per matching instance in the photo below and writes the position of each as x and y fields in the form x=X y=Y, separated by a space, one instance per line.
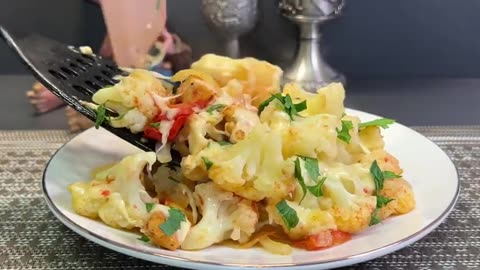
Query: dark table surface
x=409 y=101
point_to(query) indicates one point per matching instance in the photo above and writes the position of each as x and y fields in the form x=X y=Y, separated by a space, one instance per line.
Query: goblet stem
x=232 y=48
x=309 y=68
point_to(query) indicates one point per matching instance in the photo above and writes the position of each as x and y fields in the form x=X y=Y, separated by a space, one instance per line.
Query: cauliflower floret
x=132 y=119
x=252 y=168
x=133 y=91
x=310 y=221
x=239 y=121
x=403 y=198
x=351 y=208
x=371 y=137
x=194 y=90
x=328 y=100
x=259 y=78
x=124 y=195
x=159 y=215
x=224 y=216
x=87 y=198
x=385 y=161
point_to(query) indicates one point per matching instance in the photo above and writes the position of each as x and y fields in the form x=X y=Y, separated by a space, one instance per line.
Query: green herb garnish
x=287 y=213
x=379 y=179
x=311 y=166
x=224 y=143
x=208 y=163
x=390 y=175
x=155 y=124
x=316 y=189
x=149 y=206
x=377 y=176
x=101 y=116
x=382 y=201
x=144 y=238
x=215 y=107
x=173 y=222
x=375 y=218
x=381 y=122
x=301 y=181
x=287 y=105
x=344 y=133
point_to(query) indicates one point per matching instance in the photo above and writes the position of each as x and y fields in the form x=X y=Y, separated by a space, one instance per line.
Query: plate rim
x=186 y=262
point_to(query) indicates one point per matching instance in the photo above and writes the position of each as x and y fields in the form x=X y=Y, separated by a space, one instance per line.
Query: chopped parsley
x=155 y=124
x=224 y=143
x=301 y=181
x=149 y=206
x=311 y=166
x=381 y=122
x=390 y=175
x=173 y=222
x=144 y=238
x=379 y=178
x=382 y=201
x=344 y=133
x=101 y=115
x=208 y=163
x=287 y=213
x=287 y=105
x=215 y=107
x=375 y=218
x=316 y=189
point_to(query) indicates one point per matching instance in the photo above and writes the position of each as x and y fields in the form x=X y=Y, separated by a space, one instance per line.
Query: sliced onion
x=274 y=246
x=191 y=202
x=163 y=152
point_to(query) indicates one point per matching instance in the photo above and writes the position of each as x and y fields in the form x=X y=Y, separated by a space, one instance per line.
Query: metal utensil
x=71 y=75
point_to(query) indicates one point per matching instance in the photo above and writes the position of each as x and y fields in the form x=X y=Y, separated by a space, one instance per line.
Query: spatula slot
x=84 y=63
x=69 y=71
x=93 y=85
x=103 y=81
x=77 y=67
x=57 y=74
x=82 y=89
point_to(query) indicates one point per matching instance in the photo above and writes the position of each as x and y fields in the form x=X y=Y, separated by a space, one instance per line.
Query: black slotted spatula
x=71 y=76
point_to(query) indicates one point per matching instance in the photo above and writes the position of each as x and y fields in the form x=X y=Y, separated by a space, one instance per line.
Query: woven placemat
x=32 y=238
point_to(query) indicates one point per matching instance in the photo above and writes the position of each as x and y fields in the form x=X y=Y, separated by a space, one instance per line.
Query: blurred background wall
x=373 y=38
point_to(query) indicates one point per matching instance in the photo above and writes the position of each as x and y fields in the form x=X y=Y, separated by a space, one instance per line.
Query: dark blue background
x=373 y=39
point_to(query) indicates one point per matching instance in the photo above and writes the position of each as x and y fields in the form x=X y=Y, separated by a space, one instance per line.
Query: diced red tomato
x=323 y=240
x=105 y=193
x=185 y=110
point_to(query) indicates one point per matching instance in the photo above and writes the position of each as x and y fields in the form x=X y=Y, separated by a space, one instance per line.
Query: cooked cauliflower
x=327 y=100
x=403 y=198
x=124 y=196
x=352 y=205
x=310 y=220
x=252 y=168
x=239 y=121
x=133 y=91
x=157 y=216
x=259 y=78
x=224 y=216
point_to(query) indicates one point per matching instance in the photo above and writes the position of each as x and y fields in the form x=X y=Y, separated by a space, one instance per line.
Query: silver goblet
x=230 y=19
x=309 y=68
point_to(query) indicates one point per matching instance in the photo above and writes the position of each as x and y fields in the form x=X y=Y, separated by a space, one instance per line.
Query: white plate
x=427 y=168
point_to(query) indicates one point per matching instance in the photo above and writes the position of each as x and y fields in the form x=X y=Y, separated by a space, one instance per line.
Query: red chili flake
x=105 y=193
